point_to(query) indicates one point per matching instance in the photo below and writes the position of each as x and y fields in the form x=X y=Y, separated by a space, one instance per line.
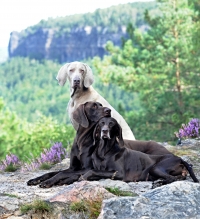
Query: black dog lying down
x=112 y=160
x=86 y=115
x=147 y=147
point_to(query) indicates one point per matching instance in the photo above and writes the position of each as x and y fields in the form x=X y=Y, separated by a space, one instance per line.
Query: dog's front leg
x=38 y=180
x=99 y=174
x=73 y=177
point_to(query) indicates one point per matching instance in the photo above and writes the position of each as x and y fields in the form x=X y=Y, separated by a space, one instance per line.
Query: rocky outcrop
x=78 y=44
x=176 y=200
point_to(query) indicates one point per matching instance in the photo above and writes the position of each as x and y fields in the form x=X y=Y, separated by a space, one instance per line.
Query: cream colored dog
x=80 y=77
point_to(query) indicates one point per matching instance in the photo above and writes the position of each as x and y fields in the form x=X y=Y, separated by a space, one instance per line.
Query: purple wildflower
x=191 y=130
x=53 y=155
x=11 y=159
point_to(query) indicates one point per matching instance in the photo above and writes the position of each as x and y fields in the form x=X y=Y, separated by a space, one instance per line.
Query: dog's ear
x=62 y=75
x=89 y=78
x=119 y=134
x=80 y=117
x=96 y=134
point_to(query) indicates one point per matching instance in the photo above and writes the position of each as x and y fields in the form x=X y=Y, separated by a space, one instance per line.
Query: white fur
x=82 y=71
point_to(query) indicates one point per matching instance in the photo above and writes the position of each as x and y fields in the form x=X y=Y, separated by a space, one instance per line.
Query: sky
x=16 y=15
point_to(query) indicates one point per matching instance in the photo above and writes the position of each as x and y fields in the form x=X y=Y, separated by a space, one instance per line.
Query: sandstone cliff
x=78 y=44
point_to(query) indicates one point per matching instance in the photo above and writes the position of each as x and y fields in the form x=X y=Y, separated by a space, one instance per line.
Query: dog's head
x=108 y=128
x=90 y=112
x=79 y=75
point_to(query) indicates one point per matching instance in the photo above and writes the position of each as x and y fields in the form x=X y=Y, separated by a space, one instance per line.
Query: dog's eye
x=111 y=124
x=102 y=123
x=94 y=106
x=71 y=70
x=81 y=71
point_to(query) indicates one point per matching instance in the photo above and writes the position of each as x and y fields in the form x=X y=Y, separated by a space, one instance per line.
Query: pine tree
x=161 y=66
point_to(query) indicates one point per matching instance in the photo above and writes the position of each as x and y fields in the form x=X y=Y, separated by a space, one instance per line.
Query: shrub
x=20 y=137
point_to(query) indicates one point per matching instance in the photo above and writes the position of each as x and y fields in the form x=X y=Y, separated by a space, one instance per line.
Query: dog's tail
x=190 y=170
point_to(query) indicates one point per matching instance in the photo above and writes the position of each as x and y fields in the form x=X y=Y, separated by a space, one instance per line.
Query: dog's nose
x=107 y=111
x=105 y=130
x=77 y=81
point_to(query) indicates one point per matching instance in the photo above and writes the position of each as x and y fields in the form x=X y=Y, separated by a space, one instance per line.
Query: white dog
x=80 y=77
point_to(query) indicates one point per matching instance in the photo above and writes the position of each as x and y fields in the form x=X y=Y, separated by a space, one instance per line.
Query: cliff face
x=79 y=44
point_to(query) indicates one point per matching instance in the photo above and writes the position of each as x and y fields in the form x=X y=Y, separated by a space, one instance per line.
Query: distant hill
x=78 y=37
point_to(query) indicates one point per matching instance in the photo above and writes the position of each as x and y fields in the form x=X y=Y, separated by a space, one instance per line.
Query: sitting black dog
x=86 y=115
x=112 y=160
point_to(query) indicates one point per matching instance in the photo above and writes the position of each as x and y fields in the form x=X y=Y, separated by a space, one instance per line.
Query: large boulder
x=174 y=201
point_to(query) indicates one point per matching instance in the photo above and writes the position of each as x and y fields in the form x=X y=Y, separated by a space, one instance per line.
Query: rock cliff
x=78 y=44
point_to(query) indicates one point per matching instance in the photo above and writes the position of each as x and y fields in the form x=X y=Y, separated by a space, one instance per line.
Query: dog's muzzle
x=107 y=112
x=105 y=133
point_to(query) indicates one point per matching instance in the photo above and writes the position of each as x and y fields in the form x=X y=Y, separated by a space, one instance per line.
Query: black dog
x=86 y=115
x=112 y=160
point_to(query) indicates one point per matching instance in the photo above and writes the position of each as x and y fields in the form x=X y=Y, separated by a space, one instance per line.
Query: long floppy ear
x=96 y=133
x=62 y=75
x=80 y=117
x=119 y=134
x=89 y=78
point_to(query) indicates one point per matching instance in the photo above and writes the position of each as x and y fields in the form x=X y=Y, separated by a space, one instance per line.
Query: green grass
x=10 y=168
x=78 y=206
x=91 y=207
x=11 y=195
x=45 y=166
x=118 y=192
x=37 y=206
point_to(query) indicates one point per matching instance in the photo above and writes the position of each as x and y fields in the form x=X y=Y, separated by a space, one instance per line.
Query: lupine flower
x=191 y=130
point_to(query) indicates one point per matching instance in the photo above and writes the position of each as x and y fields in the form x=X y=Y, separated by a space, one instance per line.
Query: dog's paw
x=156 y=184
x=33 y=182
x=45 y=185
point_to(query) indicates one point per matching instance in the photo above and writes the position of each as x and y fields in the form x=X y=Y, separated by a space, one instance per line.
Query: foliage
x=22 y=138
x=110 y=18
x=191 y=130
x=47 y=158
x=36 y=206
x=10 y=195
x=10 y=163
x=78 y=206
x=118 y=192
x=91 y=207
x=30 y=89
x=162 y=66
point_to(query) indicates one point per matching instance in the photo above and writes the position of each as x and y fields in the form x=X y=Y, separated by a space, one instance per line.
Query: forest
x=111 y=18
x=152 y=80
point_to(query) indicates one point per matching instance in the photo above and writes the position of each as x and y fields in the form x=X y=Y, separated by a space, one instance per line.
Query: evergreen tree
x=161 y=66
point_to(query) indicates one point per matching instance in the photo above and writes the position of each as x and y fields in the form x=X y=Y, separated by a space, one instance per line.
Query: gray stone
x=174 y=201
x=114 y=184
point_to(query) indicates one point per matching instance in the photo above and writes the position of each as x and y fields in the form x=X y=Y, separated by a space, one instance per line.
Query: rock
x=174 y=201
x=81 y=191
x=78 y=44
x=115 y=184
